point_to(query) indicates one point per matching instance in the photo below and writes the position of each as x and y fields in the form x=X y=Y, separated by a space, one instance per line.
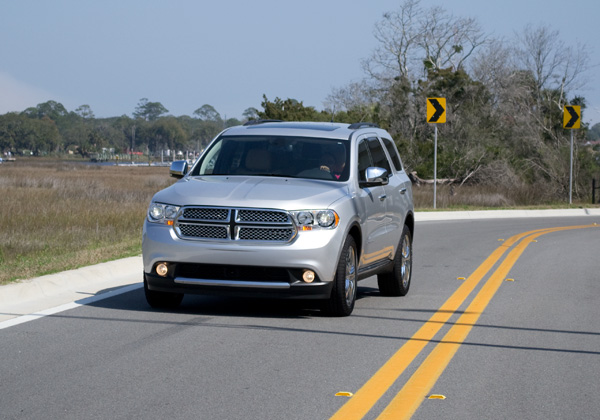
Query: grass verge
x=56 y=216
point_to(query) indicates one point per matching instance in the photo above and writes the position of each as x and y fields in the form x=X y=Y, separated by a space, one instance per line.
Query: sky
x=109 y=54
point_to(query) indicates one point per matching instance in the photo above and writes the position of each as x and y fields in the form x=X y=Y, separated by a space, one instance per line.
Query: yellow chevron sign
x=572 y=116
x=436 y=110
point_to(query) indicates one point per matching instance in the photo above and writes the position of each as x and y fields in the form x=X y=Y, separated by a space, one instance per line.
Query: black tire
x=397 y=282
x=343 y=294
x=161 y=300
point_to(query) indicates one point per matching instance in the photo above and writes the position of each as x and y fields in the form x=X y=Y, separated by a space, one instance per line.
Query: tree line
x=50 y=129
x=505 y=99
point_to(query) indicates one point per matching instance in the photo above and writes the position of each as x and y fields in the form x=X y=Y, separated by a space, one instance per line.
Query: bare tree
x=510 y=88
x=398 y=34
x=356 y=96
x=555 y=66
x=412 y=39
x=448 y=41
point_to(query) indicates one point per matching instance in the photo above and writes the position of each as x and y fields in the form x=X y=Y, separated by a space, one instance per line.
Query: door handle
x=382 y=197
x=403 y=191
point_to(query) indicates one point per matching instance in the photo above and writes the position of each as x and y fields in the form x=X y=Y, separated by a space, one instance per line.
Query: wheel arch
x=356 y=233
x=410 y=222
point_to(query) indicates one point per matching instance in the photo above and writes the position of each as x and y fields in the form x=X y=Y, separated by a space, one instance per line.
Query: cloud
x=18 y=96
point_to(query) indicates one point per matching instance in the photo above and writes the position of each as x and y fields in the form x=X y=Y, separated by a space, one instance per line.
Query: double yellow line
x=412 y=394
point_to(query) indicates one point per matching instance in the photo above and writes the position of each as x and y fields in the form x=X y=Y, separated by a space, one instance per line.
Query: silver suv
x=283 y=209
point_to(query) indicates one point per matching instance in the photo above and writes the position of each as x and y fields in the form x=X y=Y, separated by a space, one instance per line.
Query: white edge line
x=65 y=307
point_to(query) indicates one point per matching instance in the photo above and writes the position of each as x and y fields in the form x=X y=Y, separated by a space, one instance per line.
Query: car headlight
x=316 y=219
x=162 y=213
x=327 y=218
x=305 y=218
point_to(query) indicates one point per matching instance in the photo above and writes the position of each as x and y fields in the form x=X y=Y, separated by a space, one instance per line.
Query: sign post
x=436 y=113
x=571 y=121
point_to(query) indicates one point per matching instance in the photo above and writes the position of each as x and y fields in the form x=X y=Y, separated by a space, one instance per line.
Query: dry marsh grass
x=473 y=197
x=58 y=216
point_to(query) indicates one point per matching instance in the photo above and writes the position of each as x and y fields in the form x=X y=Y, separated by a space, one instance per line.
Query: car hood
x=253 y=191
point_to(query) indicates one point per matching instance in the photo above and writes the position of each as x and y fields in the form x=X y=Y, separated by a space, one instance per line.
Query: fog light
x=308 y=276
x=162 y=269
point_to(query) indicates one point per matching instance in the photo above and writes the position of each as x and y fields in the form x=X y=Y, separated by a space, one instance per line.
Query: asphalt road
x=494 y=327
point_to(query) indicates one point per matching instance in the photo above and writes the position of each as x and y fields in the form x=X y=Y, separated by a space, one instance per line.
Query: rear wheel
x=397 y=282
x=343 y=294
x=161 y=300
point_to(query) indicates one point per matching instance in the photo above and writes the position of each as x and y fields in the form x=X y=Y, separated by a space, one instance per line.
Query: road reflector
x=500 y=240
x=344 y=394
x=436 y=397
x=460 y=278
x=509 y=280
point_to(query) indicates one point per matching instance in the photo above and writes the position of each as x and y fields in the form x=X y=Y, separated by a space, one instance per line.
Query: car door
x=398 y=202
x=372 y=203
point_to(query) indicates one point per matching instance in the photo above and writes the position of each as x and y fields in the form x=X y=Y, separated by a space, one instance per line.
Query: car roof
x=299 y=128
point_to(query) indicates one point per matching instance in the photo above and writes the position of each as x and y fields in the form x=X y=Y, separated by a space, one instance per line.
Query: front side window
x=364 y=160
x=281 y=156
x=378 y=155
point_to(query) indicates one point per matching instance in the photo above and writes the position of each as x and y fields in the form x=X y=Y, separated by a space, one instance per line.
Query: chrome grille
x=263 y=216
x=263 y=234
x=203 y=231
x=233 y=224
x=200 y=213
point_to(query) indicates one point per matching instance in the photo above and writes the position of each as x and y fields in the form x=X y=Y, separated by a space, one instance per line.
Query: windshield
x=295 y=157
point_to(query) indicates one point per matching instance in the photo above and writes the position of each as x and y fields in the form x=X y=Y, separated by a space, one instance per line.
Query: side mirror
x=375 y=177
x=178 y=169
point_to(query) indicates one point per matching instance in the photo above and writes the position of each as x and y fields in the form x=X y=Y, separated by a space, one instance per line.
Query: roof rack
x=255 y=122
x=358 y=125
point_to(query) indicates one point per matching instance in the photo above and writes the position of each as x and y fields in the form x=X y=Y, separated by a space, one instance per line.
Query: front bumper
x=298 y=289
x=251 y=269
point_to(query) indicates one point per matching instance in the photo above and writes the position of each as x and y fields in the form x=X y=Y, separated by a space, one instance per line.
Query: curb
x=34 y=295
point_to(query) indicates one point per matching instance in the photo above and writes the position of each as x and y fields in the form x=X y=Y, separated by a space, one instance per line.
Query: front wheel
x=343 y=294
x=397 y=282
x=161 y=300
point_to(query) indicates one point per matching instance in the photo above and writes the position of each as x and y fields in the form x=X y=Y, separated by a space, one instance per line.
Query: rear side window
x=389 y=145
x=378 y=155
